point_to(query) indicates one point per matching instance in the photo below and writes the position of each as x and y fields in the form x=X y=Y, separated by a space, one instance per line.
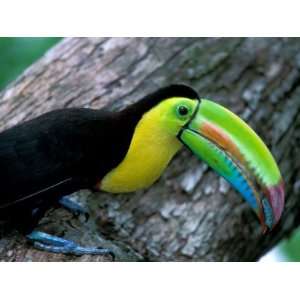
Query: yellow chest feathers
x=149 y=153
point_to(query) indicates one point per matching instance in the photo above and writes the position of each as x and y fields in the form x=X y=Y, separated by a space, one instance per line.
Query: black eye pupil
x=183 y=111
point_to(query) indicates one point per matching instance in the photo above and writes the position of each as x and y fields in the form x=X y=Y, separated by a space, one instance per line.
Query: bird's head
x=173 y=114
x=227 y=144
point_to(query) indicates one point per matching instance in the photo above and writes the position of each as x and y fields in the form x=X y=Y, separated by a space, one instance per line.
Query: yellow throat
x=151 y=149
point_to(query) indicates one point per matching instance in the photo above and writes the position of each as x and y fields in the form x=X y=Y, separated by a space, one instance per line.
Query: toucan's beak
x=230 y=147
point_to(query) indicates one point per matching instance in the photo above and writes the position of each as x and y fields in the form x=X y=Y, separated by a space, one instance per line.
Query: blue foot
x=52 y=243
x=74 y=207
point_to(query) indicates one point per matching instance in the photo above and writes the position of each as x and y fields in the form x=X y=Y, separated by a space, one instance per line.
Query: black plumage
x=63 y=151
x=51 y=156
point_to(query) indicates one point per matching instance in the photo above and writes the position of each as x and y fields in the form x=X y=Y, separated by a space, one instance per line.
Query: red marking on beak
x=220 y=137
x=275 y=195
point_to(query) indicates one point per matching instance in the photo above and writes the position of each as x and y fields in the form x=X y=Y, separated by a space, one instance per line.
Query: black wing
x=53 y=155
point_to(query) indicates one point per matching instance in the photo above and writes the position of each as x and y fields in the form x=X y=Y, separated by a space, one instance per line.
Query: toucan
x=45 y=159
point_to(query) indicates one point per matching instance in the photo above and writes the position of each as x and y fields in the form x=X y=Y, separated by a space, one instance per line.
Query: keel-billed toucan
x=63 y=151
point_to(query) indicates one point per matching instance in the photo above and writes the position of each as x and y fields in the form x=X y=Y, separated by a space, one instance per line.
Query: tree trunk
x=190 y=213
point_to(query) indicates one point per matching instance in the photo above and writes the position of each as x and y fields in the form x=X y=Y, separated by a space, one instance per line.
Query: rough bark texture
x=190 y=213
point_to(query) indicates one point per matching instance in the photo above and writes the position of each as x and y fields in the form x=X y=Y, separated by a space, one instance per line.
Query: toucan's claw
x=75 y=208
x=51 y=243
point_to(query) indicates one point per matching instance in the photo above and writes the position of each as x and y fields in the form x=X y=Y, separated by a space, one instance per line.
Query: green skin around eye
x=182 y=111
x=172 y=120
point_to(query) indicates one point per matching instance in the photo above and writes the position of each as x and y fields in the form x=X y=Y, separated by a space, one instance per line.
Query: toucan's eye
x=182 y=110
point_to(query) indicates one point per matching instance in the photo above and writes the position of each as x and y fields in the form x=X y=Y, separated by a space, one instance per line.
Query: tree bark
x=190 y=213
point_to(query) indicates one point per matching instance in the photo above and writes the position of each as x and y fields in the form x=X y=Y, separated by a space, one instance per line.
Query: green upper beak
x=230 y=147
